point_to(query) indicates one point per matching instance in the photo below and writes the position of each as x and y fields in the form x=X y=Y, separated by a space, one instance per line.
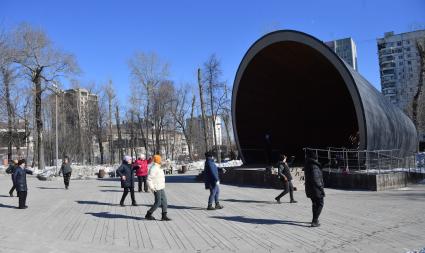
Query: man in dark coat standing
x=126 y=172
x=314 y=187
x=212 y=182
x=20 y=182
x=66 y=171
x=10 y=170
x=284 y=174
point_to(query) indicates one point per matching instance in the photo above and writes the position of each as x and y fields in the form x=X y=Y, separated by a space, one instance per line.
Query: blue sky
x=104 y=34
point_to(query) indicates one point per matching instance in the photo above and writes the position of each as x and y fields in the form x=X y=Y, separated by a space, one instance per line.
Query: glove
x=123 y=178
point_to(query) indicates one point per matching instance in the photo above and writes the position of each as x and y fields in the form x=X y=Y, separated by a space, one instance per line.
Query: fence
x=376 y=161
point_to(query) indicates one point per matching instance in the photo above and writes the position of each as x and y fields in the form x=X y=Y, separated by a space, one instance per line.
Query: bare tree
x=110 y=94
x=203 y=113
x=182 y=109
x=148 y=70
x=41 y=63
x=216 y=94
x=418 y=102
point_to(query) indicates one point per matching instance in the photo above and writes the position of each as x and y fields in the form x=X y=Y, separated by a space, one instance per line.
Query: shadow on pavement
x=249 y=201
x=5 y=196
x=89 y=202
x=7 y=206
x=108 y=215
x=179 y=207
x=262 y=221
x=49 y=188
x=111 y=190
x=181 y=179
x=109 y=186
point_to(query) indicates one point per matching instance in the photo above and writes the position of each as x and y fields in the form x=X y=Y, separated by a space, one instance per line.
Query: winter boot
x=164 y=217
x=315 y=224
x=134 y=204
x=149 y=216
x=218 y=206
x=293 y=201
x=11 y=194
x=210 y=207
x=121 y=203
x=277 y=200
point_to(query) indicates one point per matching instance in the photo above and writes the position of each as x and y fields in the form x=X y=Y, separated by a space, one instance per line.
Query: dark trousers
x=66 y=178
x=12 y=189
x=214 y=194
x=142 y=180
x=125 y=193
x=288 y=187
x=317 y=208
x=22 y=199
x=160 y=200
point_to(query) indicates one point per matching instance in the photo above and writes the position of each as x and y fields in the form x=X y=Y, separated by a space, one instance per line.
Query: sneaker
x=210 y=207
x=11 y=194
x=277 y=200
x=165 y=217
x=134 y=204
x=122 y=204
x=293 y=201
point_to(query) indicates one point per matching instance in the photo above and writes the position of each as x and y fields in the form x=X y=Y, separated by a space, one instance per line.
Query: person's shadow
x=108 y=215
x=262 y=221
x=248 y=201
x=7 y=206
x=90 y=202
x=179 y=207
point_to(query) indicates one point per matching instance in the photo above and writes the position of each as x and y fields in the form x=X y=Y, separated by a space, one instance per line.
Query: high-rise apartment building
x=346 y=49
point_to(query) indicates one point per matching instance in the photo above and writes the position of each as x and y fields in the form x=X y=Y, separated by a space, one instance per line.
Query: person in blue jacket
x=20 y=182
x=212 y=182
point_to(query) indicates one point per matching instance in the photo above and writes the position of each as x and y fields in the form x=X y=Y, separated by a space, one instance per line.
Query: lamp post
x=56 y=90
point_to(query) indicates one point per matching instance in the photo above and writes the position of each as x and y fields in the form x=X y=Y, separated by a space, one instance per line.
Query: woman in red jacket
x=142 y=172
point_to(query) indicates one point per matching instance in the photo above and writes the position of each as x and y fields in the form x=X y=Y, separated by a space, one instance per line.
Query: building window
x=400 y=57
x=409 y=63
x=398 y=43
x=400 y=63
x=408 y=49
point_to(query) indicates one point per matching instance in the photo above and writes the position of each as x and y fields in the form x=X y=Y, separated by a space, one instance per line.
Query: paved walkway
x=86 y=218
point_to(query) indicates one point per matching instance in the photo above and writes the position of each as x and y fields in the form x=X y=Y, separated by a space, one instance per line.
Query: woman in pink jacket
x=142 y=172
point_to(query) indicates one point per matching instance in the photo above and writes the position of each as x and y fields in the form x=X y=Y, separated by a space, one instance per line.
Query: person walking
x=20 y=182
x=284 y=174
x=10 y=170
x=156 y=183
x=66 y=171
x=142 y=172
x=314 y=187
x=212 y=182
x=126 y=172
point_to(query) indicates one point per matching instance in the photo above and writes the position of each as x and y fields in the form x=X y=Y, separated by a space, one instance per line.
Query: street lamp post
x=55 y=86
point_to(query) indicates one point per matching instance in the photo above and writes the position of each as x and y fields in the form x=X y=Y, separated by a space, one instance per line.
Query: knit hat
x=142 y=157
x=127 y=159
x=157 y=159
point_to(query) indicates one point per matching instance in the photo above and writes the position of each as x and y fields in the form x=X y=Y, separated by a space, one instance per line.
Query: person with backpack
x=10 y=170
x=126 y=172
x=20 y=182
x=284 y=174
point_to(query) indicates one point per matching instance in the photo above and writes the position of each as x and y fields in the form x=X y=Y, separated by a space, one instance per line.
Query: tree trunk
x=39 y=122
x=145 y=144
x=201 y=98
x=6 y=81
x=117 y=117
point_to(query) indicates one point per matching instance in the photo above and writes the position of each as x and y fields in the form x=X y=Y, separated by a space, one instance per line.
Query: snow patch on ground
x=416 y=251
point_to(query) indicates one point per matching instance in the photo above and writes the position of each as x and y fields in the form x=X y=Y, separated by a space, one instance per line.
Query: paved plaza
x=87 y=218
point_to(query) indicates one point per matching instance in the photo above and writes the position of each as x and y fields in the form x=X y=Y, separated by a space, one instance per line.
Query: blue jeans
x=214 y=194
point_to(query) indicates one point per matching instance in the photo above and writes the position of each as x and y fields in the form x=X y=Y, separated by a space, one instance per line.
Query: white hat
x=127 y=158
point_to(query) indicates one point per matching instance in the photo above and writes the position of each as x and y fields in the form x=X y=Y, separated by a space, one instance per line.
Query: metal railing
x=376 y=161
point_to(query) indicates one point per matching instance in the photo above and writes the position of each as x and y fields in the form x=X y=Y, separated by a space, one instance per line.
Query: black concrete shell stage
x=292 y=87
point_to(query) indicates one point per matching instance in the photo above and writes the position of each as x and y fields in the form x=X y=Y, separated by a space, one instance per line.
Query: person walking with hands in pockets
x=212 y=182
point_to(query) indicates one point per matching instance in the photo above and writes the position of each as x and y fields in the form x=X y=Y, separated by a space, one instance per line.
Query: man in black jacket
x=66 y=171
x=10 y=170
x=284 y=174
x=314 y=185
x=20 y=182
x=126 y=172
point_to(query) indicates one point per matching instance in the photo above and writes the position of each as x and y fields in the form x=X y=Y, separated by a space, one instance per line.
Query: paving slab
x=87 y=218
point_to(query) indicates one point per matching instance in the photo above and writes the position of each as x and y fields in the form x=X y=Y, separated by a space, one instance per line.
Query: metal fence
x=377 y=161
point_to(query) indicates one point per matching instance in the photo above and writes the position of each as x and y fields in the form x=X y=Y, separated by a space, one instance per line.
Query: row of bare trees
x=159 y=116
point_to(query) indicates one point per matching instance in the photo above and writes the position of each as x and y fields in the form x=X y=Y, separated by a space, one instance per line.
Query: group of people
x=18 y=171
x=314 y=186
x=151 y=177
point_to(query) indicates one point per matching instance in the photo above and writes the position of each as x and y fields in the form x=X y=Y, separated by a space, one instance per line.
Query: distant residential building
x=197 y=126
x=346 y=49
x=399 y=64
